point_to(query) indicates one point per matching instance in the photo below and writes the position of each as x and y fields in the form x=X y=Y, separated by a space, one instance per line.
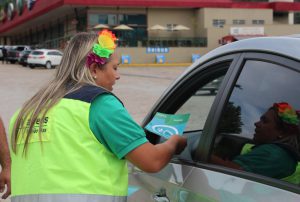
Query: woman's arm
x=5 y=162
x=217 y=160
x=152 y=158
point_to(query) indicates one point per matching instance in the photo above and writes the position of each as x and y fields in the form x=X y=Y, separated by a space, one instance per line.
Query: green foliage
x=231 y=120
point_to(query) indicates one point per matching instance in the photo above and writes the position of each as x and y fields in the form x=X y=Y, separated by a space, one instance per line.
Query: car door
x=191 y=94
x=52 y=57
x=190 y=176
x=261 y=80
x=57 y=57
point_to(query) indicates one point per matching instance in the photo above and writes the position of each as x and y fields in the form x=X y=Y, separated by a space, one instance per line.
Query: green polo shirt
x=114 y=127
x=268 y=160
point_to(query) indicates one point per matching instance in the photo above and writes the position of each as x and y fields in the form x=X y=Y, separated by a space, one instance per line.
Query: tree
x=231 y=119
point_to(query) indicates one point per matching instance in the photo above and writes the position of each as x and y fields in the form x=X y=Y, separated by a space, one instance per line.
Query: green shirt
x=268 y=160
x=114 y=127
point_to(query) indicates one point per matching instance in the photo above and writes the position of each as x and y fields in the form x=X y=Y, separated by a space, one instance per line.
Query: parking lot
x=138 y=88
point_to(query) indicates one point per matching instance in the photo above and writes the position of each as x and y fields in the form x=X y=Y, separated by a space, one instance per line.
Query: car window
x=20 y=48
x=37 y=53
x=199 y=104
x=57 y=53
x=194 y=95
x=260 y=84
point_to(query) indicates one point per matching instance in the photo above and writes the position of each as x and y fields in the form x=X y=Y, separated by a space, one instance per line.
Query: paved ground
x=138 y=88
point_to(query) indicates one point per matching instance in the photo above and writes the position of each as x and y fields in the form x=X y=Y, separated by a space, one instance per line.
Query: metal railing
x=60 y=43
x=164 y=42
x=57 y=43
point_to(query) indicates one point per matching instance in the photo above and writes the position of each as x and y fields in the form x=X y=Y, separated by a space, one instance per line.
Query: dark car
x=1 y=53
x=23 y=57
x=13 y=53
x=254 y=74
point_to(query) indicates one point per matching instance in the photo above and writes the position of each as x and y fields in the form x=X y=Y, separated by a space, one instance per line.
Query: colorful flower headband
x=286 y=113
x=103 y=49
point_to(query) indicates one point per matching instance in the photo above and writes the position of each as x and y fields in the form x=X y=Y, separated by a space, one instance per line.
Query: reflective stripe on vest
x=68 y=198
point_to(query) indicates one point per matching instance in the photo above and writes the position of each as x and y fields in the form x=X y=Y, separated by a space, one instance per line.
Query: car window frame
x=209 y=133
x=172 y=100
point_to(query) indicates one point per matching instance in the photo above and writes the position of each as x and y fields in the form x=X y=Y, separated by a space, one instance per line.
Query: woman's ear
x=93 y=69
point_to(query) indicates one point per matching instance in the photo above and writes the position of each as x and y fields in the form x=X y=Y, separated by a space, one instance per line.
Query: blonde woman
x=70 y=141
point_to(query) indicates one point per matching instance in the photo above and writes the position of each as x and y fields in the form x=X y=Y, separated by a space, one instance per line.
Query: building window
x=116 y=19
x=109 y=19
x=297 y=18
x=258 y=22
x=238 y=22
x=131 y=38
x=219 y=22
x=170 y=27
x=132 y=19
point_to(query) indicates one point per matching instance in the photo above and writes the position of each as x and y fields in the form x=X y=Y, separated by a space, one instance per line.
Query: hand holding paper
x=167 y=125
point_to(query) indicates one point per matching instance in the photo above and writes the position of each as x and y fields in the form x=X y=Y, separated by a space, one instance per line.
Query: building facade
x=203 y=24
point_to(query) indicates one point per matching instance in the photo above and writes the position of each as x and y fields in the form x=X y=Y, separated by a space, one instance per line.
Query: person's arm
x=226 y=163
x=152 y=158
x=119 y=133
x=5 y=162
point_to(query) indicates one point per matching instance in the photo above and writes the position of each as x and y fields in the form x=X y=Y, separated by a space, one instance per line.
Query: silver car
x=254 y=73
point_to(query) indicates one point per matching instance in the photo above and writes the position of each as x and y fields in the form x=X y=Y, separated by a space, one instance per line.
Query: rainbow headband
x=286 y=113
x=103 y=49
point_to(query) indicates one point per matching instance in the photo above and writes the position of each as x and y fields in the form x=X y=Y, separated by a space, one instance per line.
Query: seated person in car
x=277 y=145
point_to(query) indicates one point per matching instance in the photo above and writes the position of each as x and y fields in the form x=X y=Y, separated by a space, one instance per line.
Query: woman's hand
x=5 y=180
x=180 y=143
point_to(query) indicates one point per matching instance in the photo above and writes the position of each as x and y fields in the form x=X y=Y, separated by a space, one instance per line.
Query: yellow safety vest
x=69 y=163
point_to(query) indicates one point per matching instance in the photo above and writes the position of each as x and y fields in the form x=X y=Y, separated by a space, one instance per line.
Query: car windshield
x=19 y=48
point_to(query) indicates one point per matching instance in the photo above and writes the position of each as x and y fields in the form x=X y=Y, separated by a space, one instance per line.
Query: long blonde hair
x=71 y=74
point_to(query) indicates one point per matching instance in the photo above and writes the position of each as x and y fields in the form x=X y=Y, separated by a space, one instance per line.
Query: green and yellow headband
x=286 y=113
x=102 y=50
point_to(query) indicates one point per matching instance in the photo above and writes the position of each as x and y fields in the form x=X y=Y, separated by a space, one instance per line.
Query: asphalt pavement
x=138 y=88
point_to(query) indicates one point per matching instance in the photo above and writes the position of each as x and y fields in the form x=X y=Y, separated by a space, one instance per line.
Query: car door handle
x=161 y=196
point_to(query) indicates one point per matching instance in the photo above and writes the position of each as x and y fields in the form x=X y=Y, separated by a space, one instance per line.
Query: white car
x=44 y=57
x=246 y=77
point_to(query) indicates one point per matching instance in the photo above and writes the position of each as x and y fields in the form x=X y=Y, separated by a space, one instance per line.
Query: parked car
x=24 y=57
x=1 y=53
x=211 y=87
x=1 y=50
x=44 y=57
x=255 y=74
x=13 y=53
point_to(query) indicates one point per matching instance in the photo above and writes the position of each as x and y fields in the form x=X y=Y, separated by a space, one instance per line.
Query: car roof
x=287 y=46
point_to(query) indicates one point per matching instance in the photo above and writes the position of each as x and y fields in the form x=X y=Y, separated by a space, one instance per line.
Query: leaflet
x=167 y=125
